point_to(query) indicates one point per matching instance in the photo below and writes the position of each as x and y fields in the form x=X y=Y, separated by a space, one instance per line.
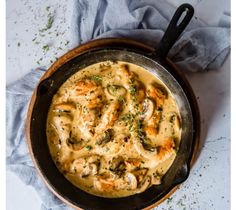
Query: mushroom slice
x=144 y=184
x=78 y=165
x=175 y=120
x=117 y=165
x=75 y=143
x=108 y=144
x=116 y=90
x=149 y=154
x=140 y=174
x=148 y=109
x=64 y=107
x=105 y=137
x=132 y=181
x=85 y=166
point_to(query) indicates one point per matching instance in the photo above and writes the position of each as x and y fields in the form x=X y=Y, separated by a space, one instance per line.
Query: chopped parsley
x=49 y=23
x=132 y=90
x=46 y=48
x=88 y=147
x=129 y=120
x=121 y=99
x=96 y=78
x=169 y=200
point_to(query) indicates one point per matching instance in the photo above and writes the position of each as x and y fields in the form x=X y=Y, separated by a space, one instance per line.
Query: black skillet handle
x=174 y=30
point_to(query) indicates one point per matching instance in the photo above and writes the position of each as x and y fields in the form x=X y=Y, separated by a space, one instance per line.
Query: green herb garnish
x=169 y=200
x=88 y=147
x=45 y=48
x=121 y=99
x=132 y=91
x=96 y=78
x=49 y=23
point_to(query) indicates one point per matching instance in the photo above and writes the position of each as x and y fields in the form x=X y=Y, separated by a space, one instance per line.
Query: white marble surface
x=208 y=186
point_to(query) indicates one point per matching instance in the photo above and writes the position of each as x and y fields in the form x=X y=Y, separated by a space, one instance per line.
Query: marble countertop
x=208 y=186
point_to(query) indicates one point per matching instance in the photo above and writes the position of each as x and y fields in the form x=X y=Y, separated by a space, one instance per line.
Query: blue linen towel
x=199 y=48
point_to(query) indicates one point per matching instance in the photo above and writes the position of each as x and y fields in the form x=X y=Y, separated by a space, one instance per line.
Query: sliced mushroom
x=75 y=143
x=175 y=120
x=147 y=145
x=116 y=90
x=84 y=167
x=93 y=168
x=90 y=169
x=140 y=174
x=109 y=145
x=78 y=165
x=117 y=165
x=144 y=184
x=149 y=154
x=64 y=107
x=132 y=181
x=104 y=138
x=148 y=109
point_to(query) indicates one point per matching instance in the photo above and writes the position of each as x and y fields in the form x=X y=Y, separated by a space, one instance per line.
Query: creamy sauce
x=113 y=129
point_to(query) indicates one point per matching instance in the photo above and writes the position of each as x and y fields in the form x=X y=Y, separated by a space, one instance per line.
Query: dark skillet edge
x=196 y=134
x=181 y=78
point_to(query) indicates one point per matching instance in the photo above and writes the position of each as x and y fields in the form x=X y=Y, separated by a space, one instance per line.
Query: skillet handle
x=175 y=28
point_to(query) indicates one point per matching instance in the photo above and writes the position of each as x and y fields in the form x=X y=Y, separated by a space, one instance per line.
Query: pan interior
x=177 y=173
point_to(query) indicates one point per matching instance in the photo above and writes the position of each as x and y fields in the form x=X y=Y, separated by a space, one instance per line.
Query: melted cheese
x=113 y=129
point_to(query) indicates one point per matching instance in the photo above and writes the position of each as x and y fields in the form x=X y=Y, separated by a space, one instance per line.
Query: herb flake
x=88 y=147
x=46 y=48
x=96 y=78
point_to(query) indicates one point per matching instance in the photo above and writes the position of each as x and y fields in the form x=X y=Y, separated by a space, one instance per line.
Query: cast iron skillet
x=122 y=50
